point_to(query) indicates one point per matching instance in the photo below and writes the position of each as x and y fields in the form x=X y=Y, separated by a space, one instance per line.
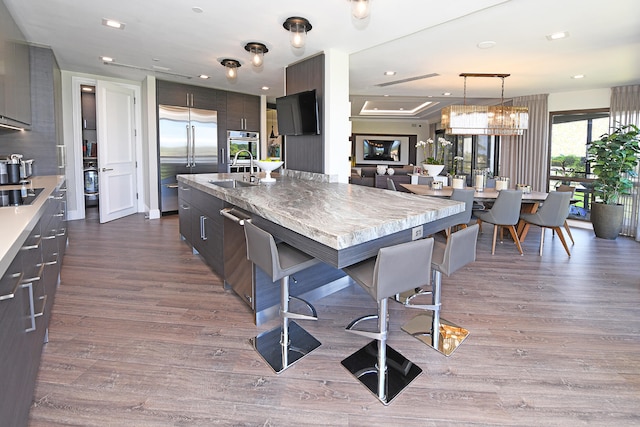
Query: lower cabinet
x=27 y=290
x=201 y=225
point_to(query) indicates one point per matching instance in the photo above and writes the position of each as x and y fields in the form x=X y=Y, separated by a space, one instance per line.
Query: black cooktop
x=16 y=197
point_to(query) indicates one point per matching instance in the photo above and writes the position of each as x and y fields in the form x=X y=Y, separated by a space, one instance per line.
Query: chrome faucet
x=252 y=176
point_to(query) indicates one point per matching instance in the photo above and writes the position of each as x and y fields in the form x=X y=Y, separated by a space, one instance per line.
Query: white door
x=116 y=151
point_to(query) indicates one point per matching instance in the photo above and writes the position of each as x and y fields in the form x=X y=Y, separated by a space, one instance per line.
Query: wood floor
x=143 y=334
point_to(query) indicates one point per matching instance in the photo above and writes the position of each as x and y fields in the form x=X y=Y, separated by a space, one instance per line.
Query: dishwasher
x=238 y=270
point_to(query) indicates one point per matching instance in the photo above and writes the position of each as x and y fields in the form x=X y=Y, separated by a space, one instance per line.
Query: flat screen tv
x=381 y=150
x=298 y=114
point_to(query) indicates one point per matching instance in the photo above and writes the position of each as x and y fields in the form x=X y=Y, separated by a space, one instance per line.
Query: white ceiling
x=412 y=37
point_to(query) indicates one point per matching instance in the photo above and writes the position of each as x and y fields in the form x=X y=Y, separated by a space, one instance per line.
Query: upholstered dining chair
x=505 y=212
x=570 y=189
x=552 y=214
x=395 y=269
x=466 y=196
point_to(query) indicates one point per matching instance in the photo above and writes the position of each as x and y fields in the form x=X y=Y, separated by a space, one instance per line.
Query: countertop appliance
x=237 y=141
x=188 y=143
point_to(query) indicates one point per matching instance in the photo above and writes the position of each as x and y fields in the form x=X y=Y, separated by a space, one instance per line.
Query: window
x=571 y=131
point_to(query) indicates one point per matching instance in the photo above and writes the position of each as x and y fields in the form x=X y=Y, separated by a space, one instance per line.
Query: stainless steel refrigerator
x=188 y=143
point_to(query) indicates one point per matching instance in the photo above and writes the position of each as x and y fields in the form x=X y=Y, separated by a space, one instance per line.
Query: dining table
x=530 y=201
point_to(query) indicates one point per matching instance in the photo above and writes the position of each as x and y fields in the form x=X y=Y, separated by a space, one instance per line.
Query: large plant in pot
x=613 y=158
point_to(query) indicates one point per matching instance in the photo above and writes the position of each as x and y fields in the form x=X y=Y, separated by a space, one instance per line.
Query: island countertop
x=337 y=215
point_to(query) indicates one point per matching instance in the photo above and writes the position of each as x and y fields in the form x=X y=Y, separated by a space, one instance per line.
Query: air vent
x=410 y=79
x=155 y=70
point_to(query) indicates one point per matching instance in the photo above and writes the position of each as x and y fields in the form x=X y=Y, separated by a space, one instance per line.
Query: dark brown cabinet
x=27 y=291
x=180 y=95
x=243 y=112
x=201 y=225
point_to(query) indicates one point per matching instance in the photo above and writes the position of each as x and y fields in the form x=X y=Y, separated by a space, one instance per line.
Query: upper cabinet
x=243 y=112
x=15 y=81
x=169 y=93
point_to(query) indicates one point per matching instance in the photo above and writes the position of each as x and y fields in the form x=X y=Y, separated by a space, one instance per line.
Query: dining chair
x=463 y=218
x=570 y=189
x=552 y=214
x=505 y=212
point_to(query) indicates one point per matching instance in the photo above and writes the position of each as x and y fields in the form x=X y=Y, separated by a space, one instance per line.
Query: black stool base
x=400 y=370
x=267 y=344
x=449 y=336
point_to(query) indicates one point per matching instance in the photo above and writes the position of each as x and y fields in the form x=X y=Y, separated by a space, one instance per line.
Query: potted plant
x=433 y=162
x=613 y=158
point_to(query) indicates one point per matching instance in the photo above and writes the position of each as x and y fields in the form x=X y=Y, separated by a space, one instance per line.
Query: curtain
x=625 y=110
x=525 y=158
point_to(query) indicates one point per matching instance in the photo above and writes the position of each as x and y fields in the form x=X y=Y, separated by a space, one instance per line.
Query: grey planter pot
x=607 y=220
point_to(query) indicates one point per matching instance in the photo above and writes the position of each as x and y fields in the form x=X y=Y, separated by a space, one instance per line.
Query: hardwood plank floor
x=143 y=334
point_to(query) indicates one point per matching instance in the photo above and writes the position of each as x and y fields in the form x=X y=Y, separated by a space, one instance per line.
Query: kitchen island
x=339 y=224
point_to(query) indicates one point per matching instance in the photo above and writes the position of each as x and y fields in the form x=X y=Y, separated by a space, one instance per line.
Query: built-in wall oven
x=237 y=141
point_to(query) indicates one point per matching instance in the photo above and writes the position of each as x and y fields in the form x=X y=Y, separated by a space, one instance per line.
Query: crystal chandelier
x=484 y=120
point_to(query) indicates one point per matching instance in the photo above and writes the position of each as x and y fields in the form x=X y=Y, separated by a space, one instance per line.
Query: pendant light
x=257 y=51
x=360 y=8
x=231 y=66
x=484 y=120
x=298 y=28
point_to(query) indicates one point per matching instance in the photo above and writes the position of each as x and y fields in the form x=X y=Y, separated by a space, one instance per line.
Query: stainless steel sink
x=233 y=183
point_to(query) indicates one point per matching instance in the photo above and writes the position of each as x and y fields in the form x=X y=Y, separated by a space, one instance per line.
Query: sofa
x=368 y=176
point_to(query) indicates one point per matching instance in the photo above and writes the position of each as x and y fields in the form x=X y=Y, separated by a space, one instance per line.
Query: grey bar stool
x=430 y=328
x=283 y=345
x=395 y=269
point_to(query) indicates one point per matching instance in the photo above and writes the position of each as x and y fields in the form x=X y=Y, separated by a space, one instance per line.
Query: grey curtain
x=625 y=110
x=525 y=158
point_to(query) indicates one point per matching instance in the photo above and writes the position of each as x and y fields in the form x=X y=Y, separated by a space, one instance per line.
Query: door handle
x=106 y=169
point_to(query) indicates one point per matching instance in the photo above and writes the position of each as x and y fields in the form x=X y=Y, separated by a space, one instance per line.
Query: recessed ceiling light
x=389 y=73
x=197 y=9
x=111 y=23
x=106 y=59
x=578 y=76
x=486 y=44
x=265 y=87
x=203 y=76
x=557 y=36
x=446 y=94
x=385 y=95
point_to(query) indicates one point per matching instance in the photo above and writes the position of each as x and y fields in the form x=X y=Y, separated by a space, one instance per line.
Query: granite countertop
x=16 y=222
x=335 y=214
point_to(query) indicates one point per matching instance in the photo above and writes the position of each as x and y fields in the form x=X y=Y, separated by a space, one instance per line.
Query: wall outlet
x=416 y=233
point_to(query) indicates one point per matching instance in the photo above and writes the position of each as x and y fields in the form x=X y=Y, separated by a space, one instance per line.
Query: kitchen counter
x=16 y=222
x=343 y=218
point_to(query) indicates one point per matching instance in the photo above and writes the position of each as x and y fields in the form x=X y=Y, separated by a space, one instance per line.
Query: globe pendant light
x=257 y=51
x=231 y=68
x=298 y=28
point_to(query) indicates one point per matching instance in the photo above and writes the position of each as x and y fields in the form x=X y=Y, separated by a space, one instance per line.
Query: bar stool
x=430 y=328
x=395 y=269
x=283 y=345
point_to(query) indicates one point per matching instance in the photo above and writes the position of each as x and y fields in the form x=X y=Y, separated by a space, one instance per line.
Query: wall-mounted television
x=298 y=114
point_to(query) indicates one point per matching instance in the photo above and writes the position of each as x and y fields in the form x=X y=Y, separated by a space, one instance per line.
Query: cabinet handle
x=222 y=156
x=35 y=278
x=203 y=231
x=188 y=146
x=185 y=207
x=18 y=277
x=32 y=311
x=172 y=185
x=226 y=212
x=31 y=247
x=44 y=305
x=193 y=146
x=63 y=231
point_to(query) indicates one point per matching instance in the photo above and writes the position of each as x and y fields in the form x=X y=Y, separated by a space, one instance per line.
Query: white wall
x=337 y=129
x=579 y=100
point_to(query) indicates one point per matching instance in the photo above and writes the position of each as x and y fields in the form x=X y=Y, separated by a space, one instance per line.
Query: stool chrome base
x=400 y=371
x=446 y=341
x=280 y=356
